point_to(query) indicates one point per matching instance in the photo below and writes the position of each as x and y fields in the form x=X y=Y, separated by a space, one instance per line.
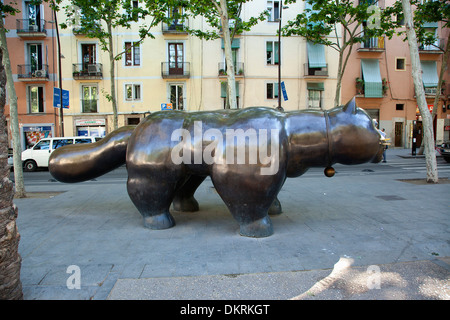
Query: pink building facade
x=378 y=74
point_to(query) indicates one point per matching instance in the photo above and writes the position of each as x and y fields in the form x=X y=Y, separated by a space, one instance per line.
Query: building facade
x=379 y=76
x=31 y=45
x=189 y=73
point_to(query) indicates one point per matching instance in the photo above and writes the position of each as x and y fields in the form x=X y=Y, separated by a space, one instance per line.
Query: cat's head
x=354 y=138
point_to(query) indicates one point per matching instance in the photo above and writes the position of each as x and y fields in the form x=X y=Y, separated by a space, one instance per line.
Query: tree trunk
x=337 y=96
x=439 y=87
x=17 y=148
x=112 y=73
x=430 y=154
x=10 y=261
x=231 y=80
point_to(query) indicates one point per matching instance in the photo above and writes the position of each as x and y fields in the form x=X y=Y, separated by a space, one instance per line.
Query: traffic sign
x=283 y=89
x=57 y=99
x=166 y=106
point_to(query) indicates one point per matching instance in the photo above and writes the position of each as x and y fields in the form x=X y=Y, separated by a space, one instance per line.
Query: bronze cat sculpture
x=247 y=153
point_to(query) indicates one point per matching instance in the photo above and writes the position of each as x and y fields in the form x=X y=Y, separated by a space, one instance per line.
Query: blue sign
x=57 y=99
x=283 y=89
x=166 y=106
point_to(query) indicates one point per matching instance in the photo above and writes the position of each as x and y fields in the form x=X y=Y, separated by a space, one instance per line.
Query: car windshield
x=42 y=145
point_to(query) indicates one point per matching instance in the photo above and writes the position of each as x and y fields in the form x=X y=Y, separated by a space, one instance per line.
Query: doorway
x=398 y=131
x=176 y=58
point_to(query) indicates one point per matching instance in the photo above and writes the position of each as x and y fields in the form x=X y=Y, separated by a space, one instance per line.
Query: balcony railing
x=315 y=72
x=238 y=69
x=28 y=72
x=89 y=105
x=82 y=71
x=31 y=27
x=176 y=27
x=175 y=70
x=432 y=48
x=372 y=44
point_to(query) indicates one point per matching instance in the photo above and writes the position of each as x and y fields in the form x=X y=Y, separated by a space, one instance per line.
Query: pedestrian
x=383 y=133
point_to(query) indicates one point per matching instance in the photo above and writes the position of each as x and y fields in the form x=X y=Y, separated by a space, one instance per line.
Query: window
x=273 y=7
x=272 y=52
x=61 y=143
x=315 y=90
x=42 y=145
x=272 y=90
x=314 y=99
x=132 y=92
x=35 y=99
x=176 y=96
x=132 y=54
x=399 y=106
x=88 y=55
x=34 y=58
x=400 y=64
x=89 y=98
x=176 y=58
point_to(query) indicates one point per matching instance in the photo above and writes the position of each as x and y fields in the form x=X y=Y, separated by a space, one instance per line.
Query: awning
x=235 y=44
x=372 y=78
x=429 y=76
x=316 y=55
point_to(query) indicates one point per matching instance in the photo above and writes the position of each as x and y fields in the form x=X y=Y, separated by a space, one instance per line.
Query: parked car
x=38 y=155
x=445 y=151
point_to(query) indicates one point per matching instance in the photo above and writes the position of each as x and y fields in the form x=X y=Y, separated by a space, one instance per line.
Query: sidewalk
x=359 y=236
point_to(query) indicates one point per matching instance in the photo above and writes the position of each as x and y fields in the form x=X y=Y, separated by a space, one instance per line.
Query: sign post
x=283 y=89
x=57 y=98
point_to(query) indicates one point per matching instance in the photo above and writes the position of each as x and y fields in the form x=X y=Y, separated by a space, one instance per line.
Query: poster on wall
x=35 y=133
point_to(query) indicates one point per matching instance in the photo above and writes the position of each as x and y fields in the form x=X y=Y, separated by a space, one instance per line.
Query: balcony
x=432 y=48
x=87 y=71
x=372 y=45
x=31 y=28
x=238 y=69
x=176 y=27
x=32 y=72
x=175 y=70
x=315 y=72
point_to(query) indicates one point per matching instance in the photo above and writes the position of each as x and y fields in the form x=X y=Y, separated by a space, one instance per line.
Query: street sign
x=166 y=106
x=283 y=89
x=57 y=99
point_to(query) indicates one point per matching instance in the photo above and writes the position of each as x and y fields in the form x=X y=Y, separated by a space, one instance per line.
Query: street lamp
x=280 y=108
x=60 y=78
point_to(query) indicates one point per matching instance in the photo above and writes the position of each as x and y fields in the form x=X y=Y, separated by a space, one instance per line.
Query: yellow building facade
x=188 y=72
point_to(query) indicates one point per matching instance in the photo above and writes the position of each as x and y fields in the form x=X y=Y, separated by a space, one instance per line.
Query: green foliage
x=208 y=9
x=318 y=22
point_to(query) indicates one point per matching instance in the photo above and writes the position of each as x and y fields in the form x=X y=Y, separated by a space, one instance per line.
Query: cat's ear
x=350 y=107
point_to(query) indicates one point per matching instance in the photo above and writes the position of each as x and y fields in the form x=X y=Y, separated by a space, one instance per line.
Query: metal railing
x=174 y=70
x=30 y=26
x=89 y=105
x=87 y=71
x=318 y=72
x=177 y=26
x=238 y=69
x=28 y=71
x=376 y=43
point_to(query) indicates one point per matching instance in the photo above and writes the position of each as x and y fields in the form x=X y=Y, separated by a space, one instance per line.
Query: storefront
x=90 y=127
x=32 y=133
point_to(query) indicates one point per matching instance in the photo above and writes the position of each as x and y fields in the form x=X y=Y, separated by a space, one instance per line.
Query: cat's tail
x=82 y=162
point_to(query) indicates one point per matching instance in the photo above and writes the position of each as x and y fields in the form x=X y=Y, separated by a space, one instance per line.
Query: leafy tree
x=322 y=21
x=433 y=11
x=98 y=19
x=10 y=261
x=10 y=9
x=430 y=154
x=218 y=14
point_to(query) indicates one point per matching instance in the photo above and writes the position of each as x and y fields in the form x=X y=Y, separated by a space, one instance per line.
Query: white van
x=38 y=155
